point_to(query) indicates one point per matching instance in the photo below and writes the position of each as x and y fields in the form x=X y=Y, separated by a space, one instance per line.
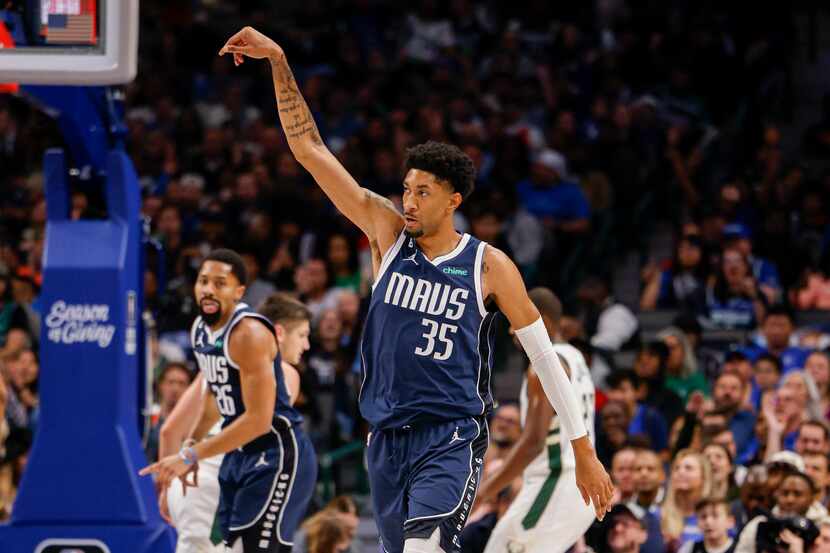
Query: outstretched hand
x=250 y=43
x=591 y=478
x=168 y=469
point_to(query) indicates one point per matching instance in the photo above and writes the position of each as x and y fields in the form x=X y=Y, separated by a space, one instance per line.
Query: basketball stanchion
x=81 y=490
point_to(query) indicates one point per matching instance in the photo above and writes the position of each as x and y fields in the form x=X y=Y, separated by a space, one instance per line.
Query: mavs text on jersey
x=427 y=343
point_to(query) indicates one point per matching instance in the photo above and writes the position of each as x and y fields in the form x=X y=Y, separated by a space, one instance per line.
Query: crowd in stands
x=590 y=125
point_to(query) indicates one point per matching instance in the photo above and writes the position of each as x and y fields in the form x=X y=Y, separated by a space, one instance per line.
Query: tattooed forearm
x=296 y=118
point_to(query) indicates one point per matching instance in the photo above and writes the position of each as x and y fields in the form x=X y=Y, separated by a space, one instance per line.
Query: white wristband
x=545 y=362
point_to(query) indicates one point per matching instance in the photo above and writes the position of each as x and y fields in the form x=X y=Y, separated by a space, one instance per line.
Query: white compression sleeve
x=545 y=362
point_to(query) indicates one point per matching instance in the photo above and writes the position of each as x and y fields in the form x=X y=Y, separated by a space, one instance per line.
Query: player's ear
x=280 y=332
x=455 y=200
x=240 y=291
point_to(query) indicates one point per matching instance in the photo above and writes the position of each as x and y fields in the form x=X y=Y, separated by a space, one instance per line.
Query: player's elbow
x=306 y=153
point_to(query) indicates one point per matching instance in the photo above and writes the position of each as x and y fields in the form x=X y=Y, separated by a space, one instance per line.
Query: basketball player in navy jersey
x=426 y=346
x=267 y=476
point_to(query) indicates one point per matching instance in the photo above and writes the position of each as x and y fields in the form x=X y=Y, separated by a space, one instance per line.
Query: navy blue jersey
x=428 y=337
x=222 y=374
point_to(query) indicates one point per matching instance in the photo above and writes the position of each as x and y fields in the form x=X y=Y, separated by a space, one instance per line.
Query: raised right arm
x=375 y=215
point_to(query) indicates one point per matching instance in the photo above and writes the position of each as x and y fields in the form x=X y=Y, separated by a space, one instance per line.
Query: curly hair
x=446 y=162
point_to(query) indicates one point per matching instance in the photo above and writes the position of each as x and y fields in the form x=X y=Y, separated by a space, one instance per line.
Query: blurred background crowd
x=654 y=163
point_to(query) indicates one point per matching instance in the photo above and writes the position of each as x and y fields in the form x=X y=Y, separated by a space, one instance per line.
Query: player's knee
x=421 y=545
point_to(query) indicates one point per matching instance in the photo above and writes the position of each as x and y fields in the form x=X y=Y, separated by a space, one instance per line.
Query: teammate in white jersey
x=192 y=511
x=547 y=515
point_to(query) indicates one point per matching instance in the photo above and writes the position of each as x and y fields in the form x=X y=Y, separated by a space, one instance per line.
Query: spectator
x=348 y=308
x=779 y=466
x=715 y=522
x=622 y=472
x=505 y=429
x=612 y=430
x=650 y=368
x=793 y=498
x=752 y=497
x=738 y=236
x=776 y=334
x=25 y=286
x=610 y=324
x=645 y=420
x=728 y=395
x=737 y=362
x=689 y=482
x=11 y=314
x=649 y=478
x=817 y=366
x=683 y=377
x=817 y=467
x=701 y=421
x=710 y=360
x=326 y=533
x=723 y=471
x=341 y=509
x=323 y=359
x=311 y=280
x=525 y=236
x=813 y=436
x=767 y=375
x=343 y=265
x=680 y=286
x=487 y=224
x=625 y=532
x=171 y=384
x=733 y=299
x=785 y=418
x=258 y=288
x=549 y=195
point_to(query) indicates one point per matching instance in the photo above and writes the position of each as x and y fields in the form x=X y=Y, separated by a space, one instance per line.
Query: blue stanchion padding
x=81 y=483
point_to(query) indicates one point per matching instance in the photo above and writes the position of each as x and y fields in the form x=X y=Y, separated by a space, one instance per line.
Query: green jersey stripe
x=546 y=492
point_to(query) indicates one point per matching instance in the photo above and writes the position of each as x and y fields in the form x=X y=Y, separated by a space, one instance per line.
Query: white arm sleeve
x=545 y=362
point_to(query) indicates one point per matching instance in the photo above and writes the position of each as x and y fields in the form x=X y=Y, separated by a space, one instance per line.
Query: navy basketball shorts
x=425 y=477
x=265 y=489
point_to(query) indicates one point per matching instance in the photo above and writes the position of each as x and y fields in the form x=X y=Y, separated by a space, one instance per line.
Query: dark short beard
x=414 y=233
x=211 y=318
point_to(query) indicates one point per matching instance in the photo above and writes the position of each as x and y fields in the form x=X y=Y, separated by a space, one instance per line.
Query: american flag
x=70 y=29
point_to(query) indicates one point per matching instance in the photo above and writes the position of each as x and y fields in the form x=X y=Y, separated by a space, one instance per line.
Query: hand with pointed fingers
x=592 y=480
x=167 y=469
x=252 y=44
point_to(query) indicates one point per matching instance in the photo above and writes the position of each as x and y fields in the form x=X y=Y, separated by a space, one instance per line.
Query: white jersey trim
x=290 y=482
x=477 y=278
x=273 y=487
x=465 y=239
x=193 y=328
x=231 y=326
x=478 y=374
x=387 y=258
